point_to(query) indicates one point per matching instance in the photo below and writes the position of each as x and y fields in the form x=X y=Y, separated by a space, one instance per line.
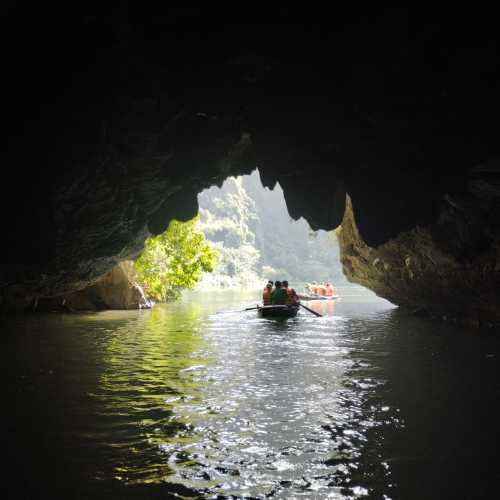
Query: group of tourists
x=279 y=293
x=323 y=288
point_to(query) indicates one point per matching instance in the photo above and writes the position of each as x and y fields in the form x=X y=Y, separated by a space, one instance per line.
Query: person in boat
x=278 y=295
x=291 y=294
x=266 y=294
x=329 y=290
x=311 y=287
x=321 y=289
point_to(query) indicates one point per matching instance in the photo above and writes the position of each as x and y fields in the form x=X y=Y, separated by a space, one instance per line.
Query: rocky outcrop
x=450 y=269
x=101 y=212
x=117 y=119
x=115 y=290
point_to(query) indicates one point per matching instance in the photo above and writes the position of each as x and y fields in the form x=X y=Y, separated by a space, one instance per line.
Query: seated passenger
x=329 y=290
x=266 y=294
x=321 y=289
x=312 y=287
x=278 y=296
x=291 y=295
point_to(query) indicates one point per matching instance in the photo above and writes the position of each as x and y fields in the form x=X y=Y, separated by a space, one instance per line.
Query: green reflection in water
x=149 y=366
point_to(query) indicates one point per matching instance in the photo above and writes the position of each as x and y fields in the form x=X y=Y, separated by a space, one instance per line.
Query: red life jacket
x=266 y=296
x=291 y=296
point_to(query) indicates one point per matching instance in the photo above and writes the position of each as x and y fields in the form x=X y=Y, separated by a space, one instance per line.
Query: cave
x=382 y=123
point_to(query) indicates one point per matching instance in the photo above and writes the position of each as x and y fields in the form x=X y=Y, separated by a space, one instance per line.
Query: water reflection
x=363 y=402
x=141 y=382
x=324 y=307
x=280 y=415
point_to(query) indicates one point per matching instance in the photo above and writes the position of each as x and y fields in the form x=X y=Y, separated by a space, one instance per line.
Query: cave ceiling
x=111 y=104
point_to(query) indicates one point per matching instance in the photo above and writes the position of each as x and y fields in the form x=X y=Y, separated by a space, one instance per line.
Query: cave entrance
x=242 y=237
x=239 y=236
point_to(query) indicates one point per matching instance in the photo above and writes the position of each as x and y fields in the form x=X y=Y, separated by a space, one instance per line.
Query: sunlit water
x=365 y=402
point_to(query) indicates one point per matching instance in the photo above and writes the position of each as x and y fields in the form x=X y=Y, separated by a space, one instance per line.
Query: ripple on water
x=276 y=415
x=232 y=405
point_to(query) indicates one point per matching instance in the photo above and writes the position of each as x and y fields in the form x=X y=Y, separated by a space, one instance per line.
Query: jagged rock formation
x=119 y=117
x=450 y=269
x=115 y=290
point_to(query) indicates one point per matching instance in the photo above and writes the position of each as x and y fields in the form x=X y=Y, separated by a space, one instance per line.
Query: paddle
x=238 y=310
x=310 y=310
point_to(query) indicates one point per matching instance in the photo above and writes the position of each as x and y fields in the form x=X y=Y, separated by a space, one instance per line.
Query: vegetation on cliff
x=174 y=260
x=258 y=240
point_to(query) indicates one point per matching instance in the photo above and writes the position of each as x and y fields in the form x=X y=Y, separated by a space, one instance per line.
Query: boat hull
x=277 y=311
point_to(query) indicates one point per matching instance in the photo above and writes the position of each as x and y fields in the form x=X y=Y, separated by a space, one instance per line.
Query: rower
x=279 y=295
x=266 y=294
x=291 y=295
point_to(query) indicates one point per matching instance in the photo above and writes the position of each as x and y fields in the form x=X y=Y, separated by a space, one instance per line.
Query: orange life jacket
x=291 y=296
x=329 y=290
x=320 y=290
x=266 y=296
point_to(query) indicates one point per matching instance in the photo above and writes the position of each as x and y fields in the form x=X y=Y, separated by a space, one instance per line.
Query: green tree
x=174 y=260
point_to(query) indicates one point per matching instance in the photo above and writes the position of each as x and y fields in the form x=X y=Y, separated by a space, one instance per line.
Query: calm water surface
x=181 y=401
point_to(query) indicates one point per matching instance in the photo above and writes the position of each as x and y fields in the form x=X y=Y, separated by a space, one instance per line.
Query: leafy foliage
x=174 y=260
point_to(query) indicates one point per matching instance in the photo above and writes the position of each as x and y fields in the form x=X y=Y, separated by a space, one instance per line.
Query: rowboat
x=313 y=296
x=277 y=311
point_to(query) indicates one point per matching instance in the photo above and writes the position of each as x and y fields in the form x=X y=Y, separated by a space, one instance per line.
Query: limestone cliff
x=449 y=269
x=115 y=290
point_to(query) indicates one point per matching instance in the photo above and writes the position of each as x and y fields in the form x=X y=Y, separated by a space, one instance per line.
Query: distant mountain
x=258 y=240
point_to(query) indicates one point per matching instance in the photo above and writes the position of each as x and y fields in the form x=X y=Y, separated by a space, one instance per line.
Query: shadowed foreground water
x=366 y=402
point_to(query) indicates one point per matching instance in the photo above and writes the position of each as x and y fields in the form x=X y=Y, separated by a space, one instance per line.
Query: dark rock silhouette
x=118 y=117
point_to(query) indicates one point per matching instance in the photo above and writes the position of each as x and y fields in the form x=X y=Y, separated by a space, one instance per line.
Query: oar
x=310 y=310
x=238 y=310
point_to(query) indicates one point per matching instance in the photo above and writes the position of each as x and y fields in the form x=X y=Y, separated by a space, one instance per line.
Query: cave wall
x=449 y=269
x=117 y=118
x=115 y=290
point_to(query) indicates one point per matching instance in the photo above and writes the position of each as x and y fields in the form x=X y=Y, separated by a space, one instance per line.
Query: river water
x=367 y=401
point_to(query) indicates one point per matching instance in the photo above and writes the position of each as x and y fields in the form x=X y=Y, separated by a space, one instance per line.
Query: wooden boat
x=313 y=296
x=277 y=311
